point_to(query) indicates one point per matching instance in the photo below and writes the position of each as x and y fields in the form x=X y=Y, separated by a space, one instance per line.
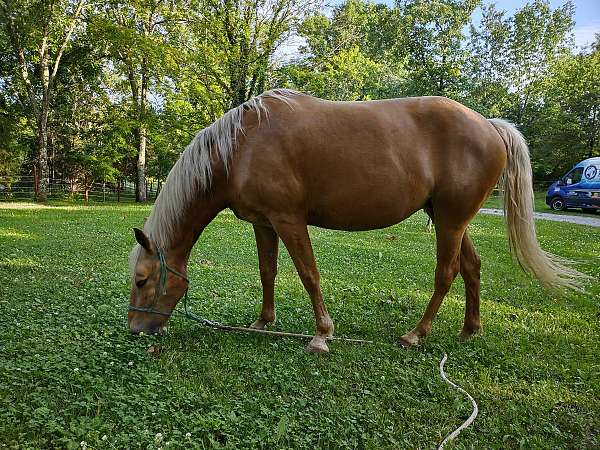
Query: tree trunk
x=140 y=194
x=42 y=194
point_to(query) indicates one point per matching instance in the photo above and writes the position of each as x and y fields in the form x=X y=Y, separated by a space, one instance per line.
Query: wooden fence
x=24 y=188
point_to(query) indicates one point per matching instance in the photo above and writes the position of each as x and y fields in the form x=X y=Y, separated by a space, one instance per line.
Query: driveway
x=581 y=220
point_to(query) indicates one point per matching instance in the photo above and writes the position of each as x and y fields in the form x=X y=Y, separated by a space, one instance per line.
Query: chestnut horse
x=286 y=160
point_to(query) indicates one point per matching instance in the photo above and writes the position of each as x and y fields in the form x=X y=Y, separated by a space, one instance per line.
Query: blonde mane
x=192 y=173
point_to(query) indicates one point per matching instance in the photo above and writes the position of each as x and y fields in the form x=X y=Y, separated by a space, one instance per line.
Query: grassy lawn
x=70 y=373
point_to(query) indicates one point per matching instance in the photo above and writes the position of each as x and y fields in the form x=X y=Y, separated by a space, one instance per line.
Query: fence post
x=35 y=182
x=103 y=190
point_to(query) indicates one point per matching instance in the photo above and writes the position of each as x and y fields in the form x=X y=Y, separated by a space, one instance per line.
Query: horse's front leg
x=267 y=243
x=294 y=235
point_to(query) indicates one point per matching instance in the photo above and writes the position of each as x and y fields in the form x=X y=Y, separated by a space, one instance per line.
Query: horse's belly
x=358 y=207
x=356 y=222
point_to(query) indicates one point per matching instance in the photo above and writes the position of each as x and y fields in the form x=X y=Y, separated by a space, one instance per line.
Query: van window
x=574 y=176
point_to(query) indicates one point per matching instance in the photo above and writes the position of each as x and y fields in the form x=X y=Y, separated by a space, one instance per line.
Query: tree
x=348 y=56
x=14 y=137
x=430 y=38
x=39 y=35
x=567 y=128
x=487 y=87
x=538 y=36
x=513 y=56
x=135 y=35
x=232 y=42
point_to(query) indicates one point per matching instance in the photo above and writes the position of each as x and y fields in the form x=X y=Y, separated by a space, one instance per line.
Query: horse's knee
x=470 y=267
x=476 y=263
x=445 y=274
x=311 y=281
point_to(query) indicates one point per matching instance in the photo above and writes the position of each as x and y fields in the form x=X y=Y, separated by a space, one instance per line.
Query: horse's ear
x=143 y=240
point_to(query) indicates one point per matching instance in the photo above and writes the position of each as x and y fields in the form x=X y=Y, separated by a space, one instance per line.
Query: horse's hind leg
x=470 y=266
x=267 y=243
x=297 y=241
x=448 y=263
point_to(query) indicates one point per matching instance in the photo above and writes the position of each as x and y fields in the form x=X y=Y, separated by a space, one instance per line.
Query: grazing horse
x=285 y=160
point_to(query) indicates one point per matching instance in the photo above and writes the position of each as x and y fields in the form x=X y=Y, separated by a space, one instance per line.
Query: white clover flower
x=188 y=435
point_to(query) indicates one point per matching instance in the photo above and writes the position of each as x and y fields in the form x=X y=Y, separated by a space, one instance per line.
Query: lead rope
x=473 y=415
x=209 y=323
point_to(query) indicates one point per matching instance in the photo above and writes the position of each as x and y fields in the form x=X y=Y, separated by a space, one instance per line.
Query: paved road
x=581 y=220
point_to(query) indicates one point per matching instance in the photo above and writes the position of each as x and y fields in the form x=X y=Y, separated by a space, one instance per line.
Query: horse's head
x=156 y=286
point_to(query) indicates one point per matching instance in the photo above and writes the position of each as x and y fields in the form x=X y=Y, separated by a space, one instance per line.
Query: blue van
x=578 y=188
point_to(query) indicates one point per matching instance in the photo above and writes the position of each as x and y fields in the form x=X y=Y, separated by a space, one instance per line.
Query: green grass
x=70 y=372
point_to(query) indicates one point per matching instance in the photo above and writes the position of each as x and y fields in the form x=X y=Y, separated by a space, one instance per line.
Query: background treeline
x=114 y=89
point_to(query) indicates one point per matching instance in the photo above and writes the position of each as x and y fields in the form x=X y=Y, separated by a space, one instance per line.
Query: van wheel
x=557 y=204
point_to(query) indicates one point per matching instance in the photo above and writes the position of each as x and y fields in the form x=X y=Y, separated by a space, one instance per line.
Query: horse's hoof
x=259 y=324
x=468 y=334
x=317 y=345
x=409 y=340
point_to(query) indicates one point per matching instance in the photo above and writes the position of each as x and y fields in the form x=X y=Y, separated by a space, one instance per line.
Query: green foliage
x=348 y=57
x=70 y=372
x=432 y=44
x=346 y=75
x=230 y=43
x=148 y=75
x=14 y=135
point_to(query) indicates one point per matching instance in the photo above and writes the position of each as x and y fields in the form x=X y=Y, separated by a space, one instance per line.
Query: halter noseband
x=161 y=289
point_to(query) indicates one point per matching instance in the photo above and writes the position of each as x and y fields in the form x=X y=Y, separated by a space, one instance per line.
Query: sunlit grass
x=70 y=372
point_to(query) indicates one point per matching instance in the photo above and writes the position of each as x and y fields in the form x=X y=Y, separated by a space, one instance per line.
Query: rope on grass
x=473 y=415
x=188 y=314
x=218 y=326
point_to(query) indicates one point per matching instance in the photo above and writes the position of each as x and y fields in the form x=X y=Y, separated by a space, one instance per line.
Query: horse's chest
x=249 y=215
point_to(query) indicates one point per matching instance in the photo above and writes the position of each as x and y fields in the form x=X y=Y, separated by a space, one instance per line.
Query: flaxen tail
x=552 y=271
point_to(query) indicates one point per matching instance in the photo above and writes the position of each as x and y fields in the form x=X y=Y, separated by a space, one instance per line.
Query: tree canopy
x=115 y=89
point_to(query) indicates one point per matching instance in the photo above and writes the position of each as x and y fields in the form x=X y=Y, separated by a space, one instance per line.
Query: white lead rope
x=473 y=415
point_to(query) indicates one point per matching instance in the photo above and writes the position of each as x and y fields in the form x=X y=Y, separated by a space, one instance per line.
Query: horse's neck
x=192 y=223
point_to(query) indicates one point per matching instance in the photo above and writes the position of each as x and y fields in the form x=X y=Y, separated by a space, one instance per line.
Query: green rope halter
x=161 y=290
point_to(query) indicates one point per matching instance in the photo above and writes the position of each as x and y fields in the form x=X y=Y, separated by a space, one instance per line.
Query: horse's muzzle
x=137 y=326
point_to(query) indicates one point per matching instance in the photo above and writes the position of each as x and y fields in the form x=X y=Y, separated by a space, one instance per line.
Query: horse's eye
x=141 y=283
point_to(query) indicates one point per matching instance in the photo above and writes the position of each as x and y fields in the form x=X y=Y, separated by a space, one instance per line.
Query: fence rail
x=24 y=188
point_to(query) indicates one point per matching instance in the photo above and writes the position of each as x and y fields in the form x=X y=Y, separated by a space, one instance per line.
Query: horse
x=285 y=160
